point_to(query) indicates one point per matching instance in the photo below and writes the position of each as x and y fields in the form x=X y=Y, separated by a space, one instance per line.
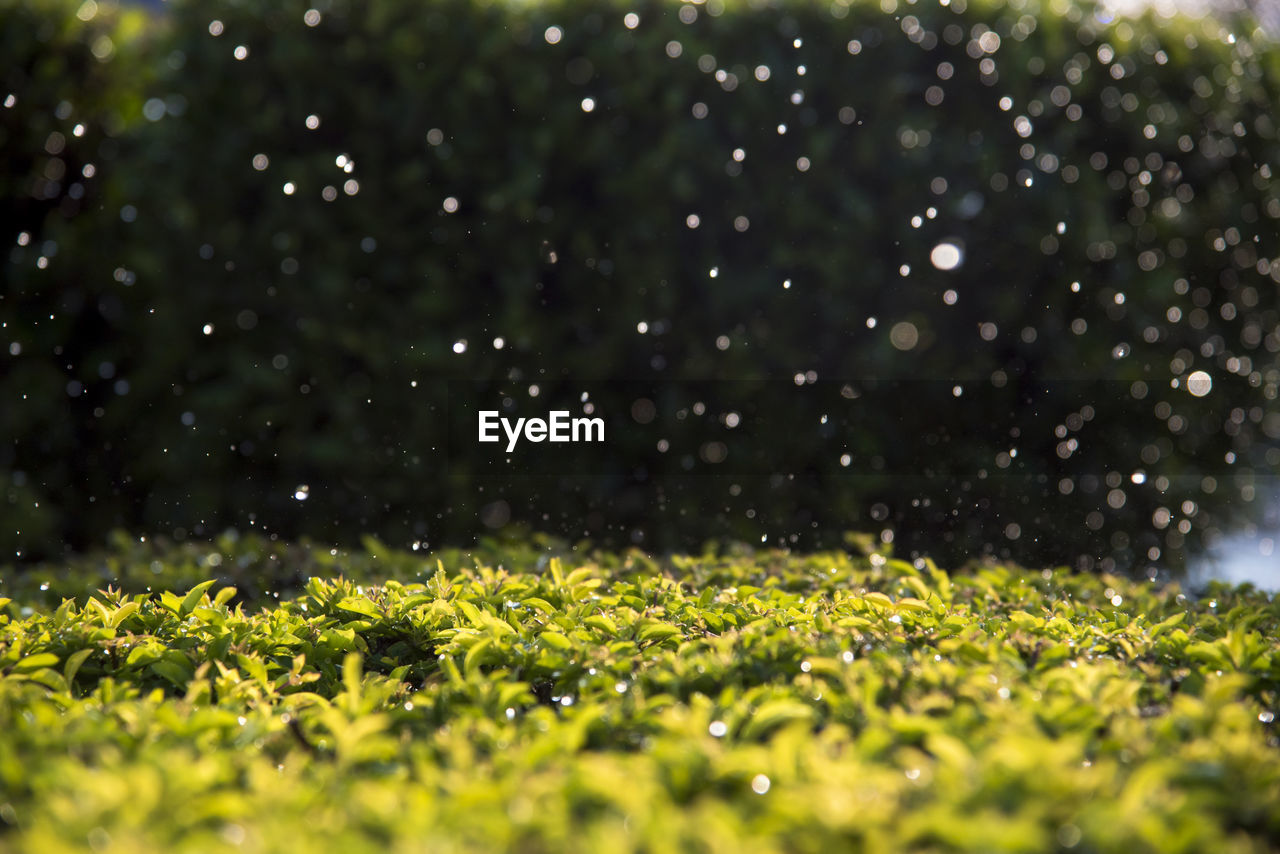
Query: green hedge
x=756 y=702
x=1146 y=175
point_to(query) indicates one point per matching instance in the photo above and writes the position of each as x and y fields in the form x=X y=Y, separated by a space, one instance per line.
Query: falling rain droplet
x=904 y=335
x=1199 y=383
x=946 y=256
x=460 y=346
x=302 y=492
x=1120 y=351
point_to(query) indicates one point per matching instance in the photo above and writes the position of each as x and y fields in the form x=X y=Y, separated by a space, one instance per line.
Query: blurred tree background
x=256 y=252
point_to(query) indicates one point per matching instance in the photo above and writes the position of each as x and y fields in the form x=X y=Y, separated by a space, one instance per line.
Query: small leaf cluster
x=750 y=702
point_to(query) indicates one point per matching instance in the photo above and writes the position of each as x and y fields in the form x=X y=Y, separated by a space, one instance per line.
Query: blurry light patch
x=553 y=35
x=588 y=104
x=904 y=335
x=311 y=17
x=946 y=256
x=631 y=20
x=1199 y=383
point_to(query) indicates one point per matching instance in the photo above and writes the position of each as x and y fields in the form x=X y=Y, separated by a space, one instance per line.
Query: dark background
x=185 y=346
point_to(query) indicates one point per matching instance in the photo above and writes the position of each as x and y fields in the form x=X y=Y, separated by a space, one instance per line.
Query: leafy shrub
x=757 y=702
x=229 y=341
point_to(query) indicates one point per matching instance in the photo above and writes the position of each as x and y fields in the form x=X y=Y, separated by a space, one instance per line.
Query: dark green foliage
x=753 y=702
x=571 y=229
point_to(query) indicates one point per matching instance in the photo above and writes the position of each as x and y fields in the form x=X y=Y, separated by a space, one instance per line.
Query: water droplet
x=718 y=729
x=904 y=335
x=460 y=346
x=1120 y=351
x=760 y=784
x=1199 y=384
x=302 y=492
x=946 y=256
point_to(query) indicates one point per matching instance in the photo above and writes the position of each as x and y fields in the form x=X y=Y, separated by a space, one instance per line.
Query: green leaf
x=172 y=672
x=656 y=632
x=476 y=656
x=602 y=623
x=774 y=714
x=1167 y=624
x=73 y=663
x=555 y=640
x=360 y=605
x=35 y=662
x=193 y=597
x=121 y=614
